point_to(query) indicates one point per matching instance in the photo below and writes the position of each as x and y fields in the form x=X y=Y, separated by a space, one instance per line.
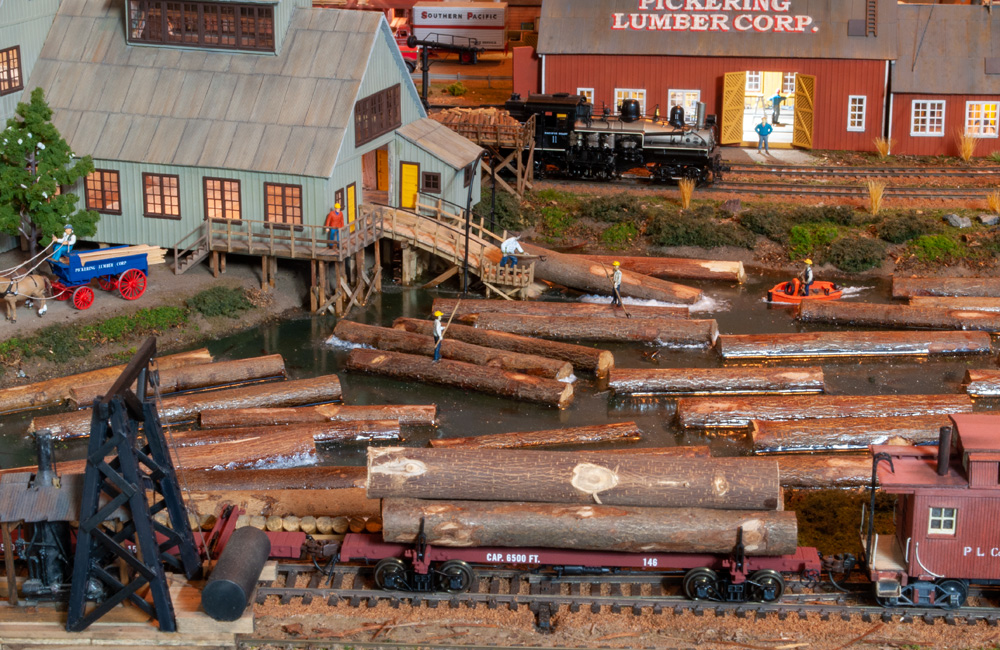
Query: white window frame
x=788 y=83
x=689 y=101
x=947 y=519
x=588 y=93
x=857 y=107
x=755 y=81
x=928 y=120
x=976 y=111
x=621 y=94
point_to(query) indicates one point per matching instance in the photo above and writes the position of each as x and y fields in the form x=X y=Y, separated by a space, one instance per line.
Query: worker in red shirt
x=334 y=222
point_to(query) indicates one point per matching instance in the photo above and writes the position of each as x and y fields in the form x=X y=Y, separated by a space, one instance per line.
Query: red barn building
x=836 y=63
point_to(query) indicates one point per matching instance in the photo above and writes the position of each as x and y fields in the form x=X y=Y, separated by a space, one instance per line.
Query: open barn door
x=805 y=94
x=731 y=129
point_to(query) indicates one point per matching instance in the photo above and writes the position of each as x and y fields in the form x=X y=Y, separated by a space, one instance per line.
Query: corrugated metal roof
x=575 y=27
x=280 y=114
x=441 y=142
x=21 y=502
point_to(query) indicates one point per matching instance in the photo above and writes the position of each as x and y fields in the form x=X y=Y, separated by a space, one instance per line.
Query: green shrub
x=619 y=236
x=855 y=253
x=220 y=301
x=841 y=215
x=456 y=89
x=805 y=240
x=614 y=209
x=901 y=227
x=555 y=220
x=768 y=222
x=994 y=156
x=937 y=249
x=688 y=229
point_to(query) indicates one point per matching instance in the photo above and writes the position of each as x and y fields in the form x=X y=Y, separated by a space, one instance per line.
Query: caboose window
x=942 y=521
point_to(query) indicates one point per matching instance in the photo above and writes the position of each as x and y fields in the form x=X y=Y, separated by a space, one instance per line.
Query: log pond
x=739 y=309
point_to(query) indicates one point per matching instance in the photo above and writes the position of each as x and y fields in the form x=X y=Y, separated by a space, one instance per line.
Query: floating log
x=289 y=448
x=582 y=357
x=587 y=527
x=566 y=477
x=851 y=344
x=461 y=375
x=902 y=316
x=395 y=340
x=734 y=412
x=186 y=407
x=618 y=432
x=674 y=332
x=824 y=470
x=56 y=391
x=982 y=383
x=358 y=431
x=676 y=267
x=977 y=287
x=298 y=478
x=174 y=380
x=579 y=273
x=468 y=310
x=957 y=302
x=708 y=381
x=842 y=433
x=407 y=415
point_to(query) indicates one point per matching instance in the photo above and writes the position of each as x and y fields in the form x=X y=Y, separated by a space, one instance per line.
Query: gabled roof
x=280 y=114
x=440 y=141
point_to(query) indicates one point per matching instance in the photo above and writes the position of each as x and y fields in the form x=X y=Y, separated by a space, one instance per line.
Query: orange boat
x=791 y=292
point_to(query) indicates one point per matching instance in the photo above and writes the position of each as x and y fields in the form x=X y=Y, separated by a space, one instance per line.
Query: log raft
x=395 y=340
x=405 y=414
x=676 y=267
x=187 y=407
x=710 y=381
x=174 y=380
x=670 y=332
x=468 y=310
x=737 y=412
x=830 y=434
x=799 y=345
x=970 y=287
x=567 y=477
x=457 y=374
x=900 y=316
x=579 y=273
x=619 y=432
x=582 y=357
x=956 y=302
x=588 y=527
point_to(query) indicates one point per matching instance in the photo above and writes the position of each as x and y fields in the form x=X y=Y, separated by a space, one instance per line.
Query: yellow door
x=351 y=206
x=382 y=169
x=731 y=128
x=409 y=175
x=805 y=93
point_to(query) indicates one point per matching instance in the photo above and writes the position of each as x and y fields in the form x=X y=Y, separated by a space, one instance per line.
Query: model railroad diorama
x=222 y=483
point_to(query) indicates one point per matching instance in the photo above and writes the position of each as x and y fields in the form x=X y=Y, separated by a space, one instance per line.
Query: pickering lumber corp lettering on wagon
x=694 y=16
x=979 y=552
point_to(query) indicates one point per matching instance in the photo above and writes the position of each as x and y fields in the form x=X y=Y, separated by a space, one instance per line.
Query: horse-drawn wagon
x=124 y=271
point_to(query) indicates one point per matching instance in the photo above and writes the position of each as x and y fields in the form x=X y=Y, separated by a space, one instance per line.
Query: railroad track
x=545 y=595
x=813 y=171
x=848 y=190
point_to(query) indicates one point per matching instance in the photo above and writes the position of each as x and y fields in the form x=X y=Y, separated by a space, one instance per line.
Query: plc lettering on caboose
x=979 y=552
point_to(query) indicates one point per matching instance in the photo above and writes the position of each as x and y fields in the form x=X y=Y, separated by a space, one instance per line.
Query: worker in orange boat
x=806 y=277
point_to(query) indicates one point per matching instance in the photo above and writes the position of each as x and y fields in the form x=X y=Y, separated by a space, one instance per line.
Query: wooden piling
x=901 y=316
x=468 y=310
x=851 y=344
x=831 y=434
x=618 y=432
x=737 y=412
x=405 y=414
x=670 y=332
x=972 y=287
x=710 y=381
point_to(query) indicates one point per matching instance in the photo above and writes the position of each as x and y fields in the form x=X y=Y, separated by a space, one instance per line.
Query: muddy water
x=739 y=309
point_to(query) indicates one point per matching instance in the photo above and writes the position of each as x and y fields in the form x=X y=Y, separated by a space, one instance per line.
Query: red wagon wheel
x=132 y=284
x=107 y=283
x=83 y=297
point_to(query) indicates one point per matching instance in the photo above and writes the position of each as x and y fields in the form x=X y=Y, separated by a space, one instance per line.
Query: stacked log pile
x=490 y=497
x=491 y=116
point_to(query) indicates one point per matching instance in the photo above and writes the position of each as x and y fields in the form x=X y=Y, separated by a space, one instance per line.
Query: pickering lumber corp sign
x=714 y=16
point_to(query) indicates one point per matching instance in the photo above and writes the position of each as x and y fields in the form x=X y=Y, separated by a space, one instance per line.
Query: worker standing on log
x=616 y=283
x=807 y=277
x=438 y=335
x=508 y=248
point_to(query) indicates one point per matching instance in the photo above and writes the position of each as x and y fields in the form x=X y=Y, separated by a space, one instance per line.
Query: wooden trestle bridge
x=351 y=280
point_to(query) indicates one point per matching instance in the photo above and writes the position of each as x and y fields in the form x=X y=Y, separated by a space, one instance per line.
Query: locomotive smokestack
x=944 y=451
x=46 y=474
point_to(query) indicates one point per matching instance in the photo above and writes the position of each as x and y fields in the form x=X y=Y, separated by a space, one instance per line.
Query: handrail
x=177 y=253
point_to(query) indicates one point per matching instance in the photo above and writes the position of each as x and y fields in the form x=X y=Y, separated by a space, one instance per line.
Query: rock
x=989 y=219
x=957 y=221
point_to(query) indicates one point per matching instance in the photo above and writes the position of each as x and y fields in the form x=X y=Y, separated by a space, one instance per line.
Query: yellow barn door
x=731 y=128
x=805 y=101
x=409 y=175
x=352 y=206
x=382 y=169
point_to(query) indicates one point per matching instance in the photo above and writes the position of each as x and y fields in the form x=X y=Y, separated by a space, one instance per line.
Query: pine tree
x=34 y=162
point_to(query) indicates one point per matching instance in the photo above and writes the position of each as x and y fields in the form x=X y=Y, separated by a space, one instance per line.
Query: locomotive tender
x=570 y=140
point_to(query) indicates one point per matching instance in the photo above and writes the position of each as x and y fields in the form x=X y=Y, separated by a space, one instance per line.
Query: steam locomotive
x=570 y=140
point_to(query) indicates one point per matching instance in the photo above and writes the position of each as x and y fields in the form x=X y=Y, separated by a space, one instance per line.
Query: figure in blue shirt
x=763 y=130
x=776 y=106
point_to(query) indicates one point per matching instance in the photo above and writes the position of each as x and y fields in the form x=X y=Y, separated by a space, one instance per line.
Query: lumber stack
x=708 y=381
x=491 y=497
x=901 y=316
x=154 y=254
x=851 y=344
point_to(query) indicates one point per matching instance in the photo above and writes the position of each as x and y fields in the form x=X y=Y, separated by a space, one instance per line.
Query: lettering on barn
x=714 y=16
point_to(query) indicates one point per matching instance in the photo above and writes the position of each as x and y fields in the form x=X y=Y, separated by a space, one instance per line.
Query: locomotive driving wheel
x=132 y=284
x=83 y=297
x=455 y=577
x=767 y=586
x=390 y=573
x=699 y=584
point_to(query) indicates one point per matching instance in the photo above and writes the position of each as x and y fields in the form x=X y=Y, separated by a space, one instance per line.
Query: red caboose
x=946 y=520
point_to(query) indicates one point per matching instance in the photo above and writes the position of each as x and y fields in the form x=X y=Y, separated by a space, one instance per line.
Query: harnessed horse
x=26 y=287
